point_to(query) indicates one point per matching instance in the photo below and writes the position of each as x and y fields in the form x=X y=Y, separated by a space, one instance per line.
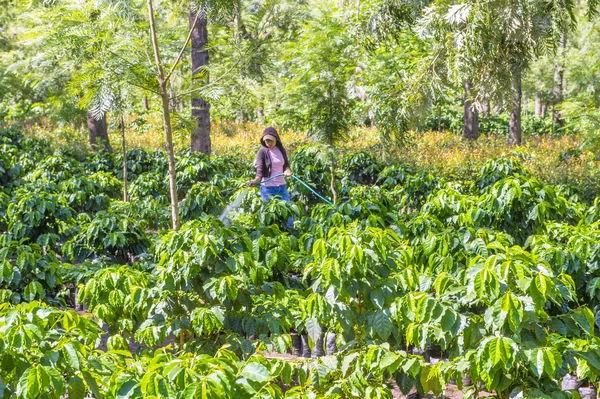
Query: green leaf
x=487 y=286
x=255 y=372
x=347 y=362
x=382 y=321
x=585 y=318
x=127 y=390
x=190 y=391
x=412 y=366
x=33 y=382
x=500 y=351
x=593 y=359
x=70 y=354
x=287 y=373
x=28 y=383
x=431 y=379
x=552 y=361
x=92 y=384
x=541 y=284
x=390 y=360
x=154 y=384
x=76 y=388
x=33 y=290
x=405 y=383
x=511 y=305
x=313 y=328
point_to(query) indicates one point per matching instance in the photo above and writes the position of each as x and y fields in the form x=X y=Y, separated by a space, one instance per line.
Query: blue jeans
x=267 y=193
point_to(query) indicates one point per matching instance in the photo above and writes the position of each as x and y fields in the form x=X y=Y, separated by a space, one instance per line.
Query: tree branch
x=161 y=74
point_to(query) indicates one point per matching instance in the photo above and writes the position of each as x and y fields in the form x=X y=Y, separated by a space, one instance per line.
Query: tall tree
x=490 y=42
x=471 y=117
x=514 y=124
x=200 y=140
x=557 y=90
x=98 y=132
x=316 y=97
x=164 y=83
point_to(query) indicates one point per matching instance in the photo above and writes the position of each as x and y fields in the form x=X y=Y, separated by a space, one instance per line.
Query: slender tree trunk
x=146 y=105
x=471 y=117
x=164 y=95
x=172 y=101
x=538 y=105
x=332 y=182
x=514 y=129
x=200 y=140
x=125 y=196
x=237 y=23
x=557 y=90
x=98 y=133
x=486 y=108
x=171 y=157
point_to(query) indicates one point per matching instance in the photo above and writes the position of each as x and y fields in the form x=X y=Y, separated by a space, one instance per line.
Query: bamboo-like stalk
x=125 y=196
x=164 y=95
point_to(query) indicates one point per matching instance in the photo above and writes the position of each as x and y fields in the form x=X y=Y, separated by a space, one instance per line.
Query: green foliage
x=150 y=185
x=30 y=273
x=119 y=297
x=312 y=166
x=91 y=194
x=191 y=169
x=201 y=199
x=361 y=168
x=46 y=352
x=496 y=170
x=498 y=277
x=316 y=96
x=109 y=233
x=41 y=216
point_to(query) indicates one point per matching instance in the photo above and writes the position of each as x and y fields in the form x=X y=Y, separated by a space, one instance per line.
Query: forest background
x=439 y=85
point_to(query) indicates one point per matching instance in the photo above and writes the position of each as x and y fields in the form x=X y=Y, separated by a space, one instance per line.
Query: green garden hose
x=303 y=183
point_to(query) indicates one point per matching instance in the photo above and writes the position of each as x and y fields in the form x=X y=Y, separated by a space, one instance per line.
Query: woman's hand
x=253 y=182
x=287 y=172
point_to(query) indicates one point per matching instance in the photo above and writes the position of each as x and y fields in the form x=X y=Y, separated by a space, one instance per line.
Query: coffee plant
x=409 y=283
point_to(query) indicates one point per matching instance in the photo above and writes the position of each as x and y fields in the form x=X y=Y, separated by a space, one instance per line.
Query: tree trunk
x=557 y=90
x=98 y=133
x=514 y=127
x=164 y=95
x=200 y=108
x=237 y=23
x=125 y=196
x=471 y=118
x=146 y=105
x=171 y=157
x=486 y=107
x=538 y=105
x=332 y=182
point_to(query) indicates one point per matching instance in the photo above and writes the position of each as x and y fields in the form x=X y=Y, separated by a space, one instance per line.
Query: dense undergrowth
x=555 y=158
x=496 y=275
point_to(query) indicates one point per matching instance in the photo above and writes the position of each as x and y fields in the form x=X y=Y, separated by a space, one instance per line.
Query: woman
x=272 y=160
